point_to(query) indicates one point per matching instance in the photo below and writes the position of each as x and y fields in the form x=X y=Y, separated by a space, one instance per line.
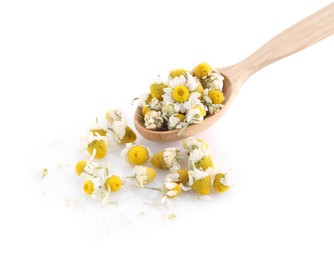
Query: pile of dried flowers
x=186 y=98
x=200 y=175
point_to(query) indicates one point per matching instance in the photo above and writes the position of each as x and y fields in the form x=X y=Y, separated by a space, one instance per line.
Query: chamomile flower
x=99 y=129
x=93 y=187
x=143 y=175
x=202 y=70
x=123 y=133
x=87 y=167
x=200 y=181
x=214 y=81
x=222 y=182
x=200 y=160
x=113 y=183
x=167 y=110
x=191 y=143
x=154 y=120
x=176 y=73
x=144 y=99
x=157 y=88
x=181 y=92
x=115 y=115
x=98 y=143
x=213 y=100
x=166 y=159
x=176 y=121
x=196 y=114
x=136 y=154
x=180 y=176
x=170 y=191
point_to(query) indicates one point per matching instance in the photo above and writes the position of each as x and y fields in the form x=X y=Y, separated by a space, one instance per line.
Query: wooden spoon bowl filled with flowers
x=190 y=102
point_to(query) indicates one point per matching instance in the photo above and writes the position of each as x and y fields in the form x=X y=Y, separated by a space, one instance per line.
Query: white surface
x=62 y=63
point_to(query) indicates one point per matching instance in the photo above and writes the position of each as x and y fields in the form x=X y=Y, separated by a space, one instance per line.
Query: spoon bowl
x=298 y=37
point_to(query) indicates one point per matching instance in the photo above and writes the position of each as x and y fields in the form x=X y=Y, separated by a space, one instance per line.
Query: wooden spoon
x=299 y=36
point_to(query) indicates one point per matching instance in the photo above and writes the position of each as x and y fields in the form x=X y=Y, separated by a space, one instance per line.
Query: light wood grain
x=298 y=37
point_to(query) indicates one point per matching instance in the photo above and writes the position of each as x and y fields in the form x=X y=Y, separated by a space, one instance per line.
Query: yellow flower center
x=180 y=94
x=145 y=109
x=99 y=131
x=129 y=137
x=183 y=176
x=181 y=117
x=217 y=185
x=202 y=70
x=113 y=183
x=204 y=163
x=157 y=90
x=100 y=146
x=200 y=90
x=80 y=166
x=216 y=96
x=88 y=187
x=177 y=73
x=158 y=161
x=150 y=174
x=138 y=155
x=201 y=110
x=202 y=186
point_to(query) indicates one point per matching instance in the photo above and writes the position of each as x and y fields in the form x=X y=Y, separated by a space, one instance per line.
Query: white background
x=63 y=63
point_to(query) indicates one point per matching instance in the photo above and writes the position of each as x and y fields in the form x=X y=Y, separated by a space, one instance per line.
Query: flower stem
x=151 y=188
x=182 y=129
x=133 y=100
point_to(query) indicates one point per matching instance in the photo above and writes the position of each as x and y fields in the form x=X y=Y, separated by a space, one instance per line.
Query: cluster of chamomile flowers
x=98 y=181
x=200 y=175
x=186 y=98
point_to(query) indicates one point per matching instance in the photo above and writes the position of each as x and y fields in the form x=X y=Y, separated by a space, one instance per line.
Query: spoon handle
x=298 y=37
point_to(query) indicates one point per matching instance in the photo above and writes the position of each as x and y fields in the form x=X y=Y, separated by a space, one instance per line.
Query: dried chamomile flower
x=88 y=187
x=143 y=99
x=202 y=70
x=136 y=154
x=93 y=188
x=84 y=166
x=170 y=191
x=123 y=133
x=176 y=121
x=167 y=110
x=166 y=159
x=115 y=114
x=176 y=73
x=214 y=81
x=154 y=120
x=200 y=90
x=191 y=143
x=181 y=92
x=196 y=114
x=200 y=181
x=157 y=89
x=216 y=96
x=200 y=160
x=213 y=100
x=98 y=143
x=143 y=175
x=180 y=176
x=113 y=183
x=222 y=182
x=99 y=129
